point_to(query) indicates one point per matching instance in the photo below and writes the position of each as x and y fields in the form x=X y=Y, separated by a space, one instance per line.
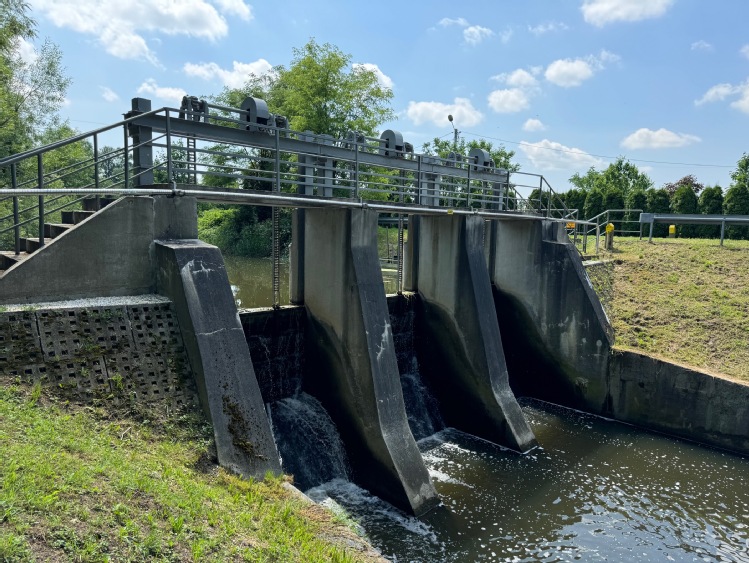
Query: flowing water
x=595 y=490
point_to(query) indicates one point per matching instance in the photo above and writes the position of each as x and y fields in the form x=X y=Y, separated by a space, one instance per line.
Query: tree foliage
x=320 y=91
x=621 y=176
x=689 y=182
x=500 y=155
x=32 y=90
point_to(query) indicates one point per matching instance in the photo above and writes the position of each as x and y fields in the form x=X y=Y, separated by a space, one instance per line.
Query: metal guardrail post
x=169 y=163
x=16 y=226
x=598 y=236
x=126 y=160
x=722 y=231
x=40 y=181
x=96 y=170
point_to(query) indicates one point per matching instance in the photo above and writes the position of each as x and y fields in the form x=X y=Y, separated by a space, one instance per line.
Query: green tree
x=622 y=176
x=710 y=203
x=320 y=91
x=593 y=204
x=684 y=201
x=658 y=202
x=575 y=199
x=636 y=199
x=31 y=91
x=736 y=201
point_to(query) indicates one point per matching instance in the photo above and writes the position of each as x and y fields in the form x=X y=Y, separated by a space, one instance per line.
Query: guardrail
x=692 y=219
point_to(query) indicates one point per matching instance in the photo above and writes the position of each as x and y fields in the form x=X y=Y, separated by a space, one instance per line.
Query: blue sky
x=567 y=84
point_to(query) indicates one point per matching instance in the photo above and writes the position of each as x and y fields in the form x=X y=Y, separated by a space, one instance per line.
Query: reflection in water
x=595 y=490
x=252 y=281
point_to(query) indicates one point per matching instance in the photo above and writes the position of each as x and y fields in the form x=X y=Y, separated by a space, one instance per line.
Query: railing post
x=126 y=163
x=40 y=181
x=169 y=162
x=96 y=170
x=16 y=226
x=142 y=149
x=598 y=235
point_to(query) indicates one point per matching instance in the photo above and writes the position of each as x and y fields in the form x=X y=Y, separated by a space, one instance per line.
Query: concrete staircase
x=70 y=219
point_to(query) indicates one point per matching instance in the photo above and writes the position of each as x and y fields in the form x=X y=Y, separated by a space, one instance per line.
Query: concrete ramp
x=192 y=274
x=459 y=344
x=353 y=369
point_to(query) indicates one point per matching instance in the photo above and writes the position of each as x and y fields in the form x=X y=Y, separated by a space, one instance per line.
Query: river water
x=595 y=490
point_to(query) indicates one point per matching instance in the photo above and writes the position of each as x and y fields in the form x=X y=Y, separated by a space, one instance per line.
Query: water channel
x=595 y=489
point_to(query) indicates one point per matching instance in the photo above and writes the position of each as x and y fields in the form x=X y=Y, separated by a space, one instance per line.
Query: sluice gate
x=502 y=298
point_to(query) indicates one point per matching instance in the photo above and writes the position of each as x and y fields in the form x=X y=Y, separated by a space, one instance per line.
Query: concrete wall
x=352 y=368
x=560 y=348
x=192 y=274
x=129 y=354
x=108 y=254
x=557 y=323
x=459 y=345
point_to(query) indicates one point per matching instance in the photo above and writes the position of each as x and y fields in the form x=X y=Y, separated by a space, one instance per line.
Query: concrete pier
x=459 y=345
x=353 y=369
x=550 y=306
x=192 y=274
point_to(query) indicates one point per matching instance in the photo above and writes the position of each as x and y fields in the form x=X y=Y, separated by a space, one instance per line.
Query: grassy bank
x=685 y=300
x=78 y=484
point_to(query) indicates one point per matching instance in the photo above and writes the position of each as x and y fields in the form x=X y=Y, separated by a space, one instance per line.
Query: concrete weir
x=192 y=274
x=460 y=348
x=354 y=371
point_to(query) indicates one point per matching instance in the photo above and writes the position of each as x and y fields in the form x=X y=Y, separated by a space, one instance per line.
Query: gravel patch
x=148 y=299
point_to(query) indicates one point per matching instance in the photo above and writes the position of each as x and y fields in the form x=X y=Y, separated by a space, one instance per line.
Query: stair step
x=32 y=244
x=9 y=258
x=89 y=204
x=75 y=217
x=52 y=230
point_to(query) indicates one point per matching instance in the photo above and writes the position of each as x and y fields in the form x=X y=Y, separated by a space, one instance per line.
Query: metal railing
x=626 y=223
x=250 y=156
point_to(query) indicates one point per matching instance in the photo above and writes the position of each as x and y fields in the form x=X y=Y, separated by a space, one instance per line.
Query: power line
x=523 y=143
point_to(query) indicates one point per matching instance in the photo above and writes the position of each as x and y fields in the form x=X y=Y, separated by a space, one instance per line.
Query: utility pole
x=455 y=134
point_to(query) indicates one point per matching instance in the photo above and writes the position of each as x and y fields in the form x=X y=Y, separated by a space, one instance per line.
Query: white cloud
x=510 y=100
x=234 y=78
x=568 y=73
x=445 y=22
x=384 y=80
x=108 y=94
x=745 y=51
x=506 y=35
x=721 y=92
x=472 y=34
x=475 y=34
x=519 y=78
x=661 y=139
x=550 y=155
x=236 y=8
x=548 y=27
x=119 y=26
x=463 y=112
x=602 y=12
x=25 y=51
x=533 y=124
x=150 y=87
x=701 y=45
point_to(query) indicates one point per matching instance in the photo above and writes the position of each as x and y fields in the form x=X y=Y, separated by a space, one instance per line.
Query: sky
x=566 y=84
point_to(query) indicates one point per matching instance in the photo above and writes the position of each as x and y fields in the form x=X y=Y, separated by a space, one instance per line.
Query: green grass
x=686 y=300
x=77 y=484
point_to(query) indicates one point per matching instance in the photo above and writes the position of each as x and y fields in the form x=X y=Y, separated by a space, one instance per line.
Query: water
x=422 y=409
x=308 y=442
x=252 y=281
x=595 y=490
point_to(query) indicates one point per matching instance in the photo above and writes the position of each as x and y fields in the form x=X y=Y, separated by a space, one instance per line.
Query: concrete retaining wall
x=108 y=254
x=128 y=354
